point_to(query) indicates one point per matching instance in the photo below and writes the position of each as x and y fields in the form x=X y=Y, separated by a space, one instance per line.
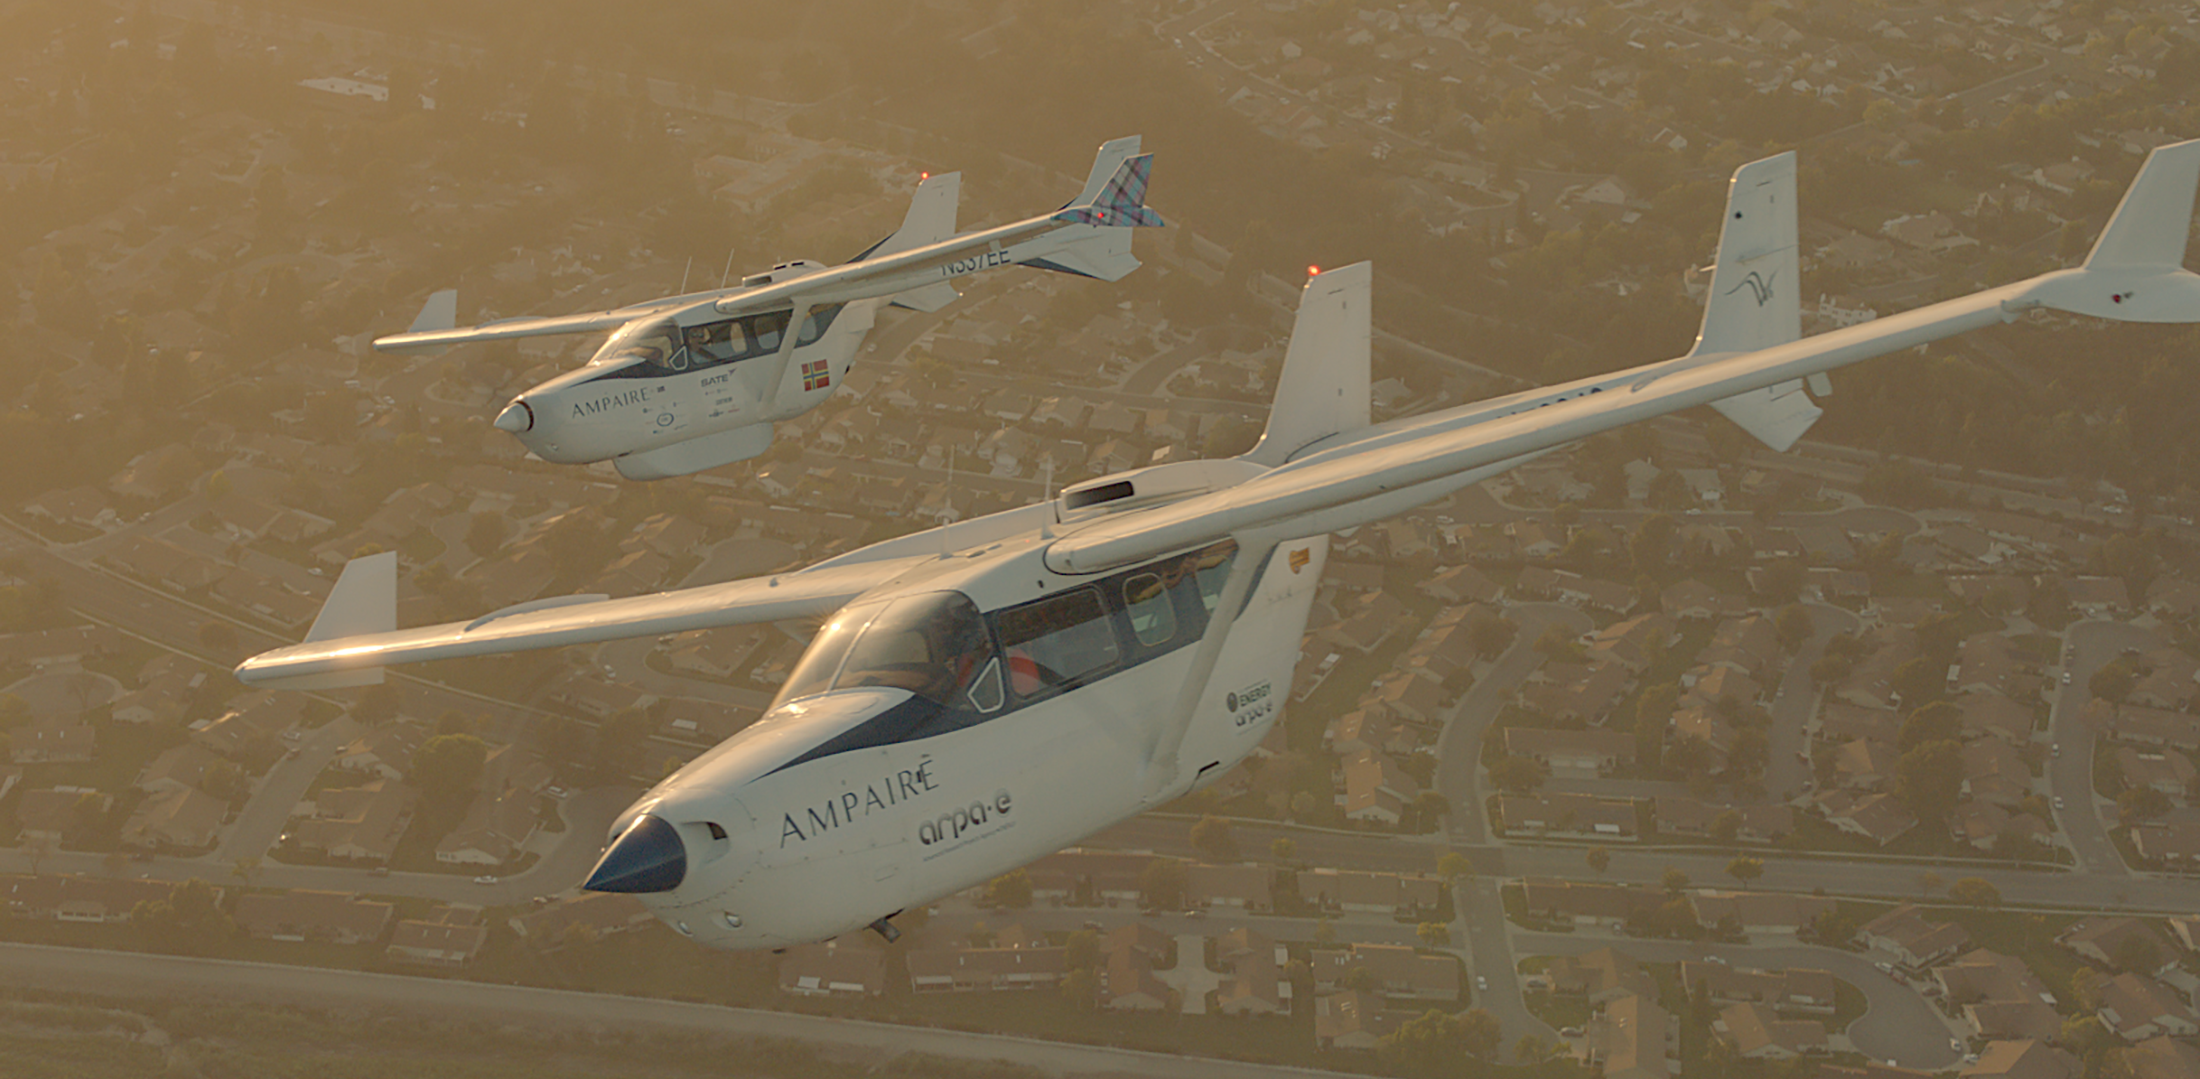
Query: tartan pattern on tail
x=1122 y=202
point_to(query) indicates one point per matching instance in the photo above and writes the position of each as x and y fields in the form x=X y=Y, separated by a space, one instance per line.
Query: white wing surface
x=2132 y=276
x=552 y=623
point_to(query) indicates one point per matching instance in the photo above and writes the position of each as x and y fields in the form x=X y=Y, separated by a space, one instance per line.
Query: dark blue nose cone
x=647 y=857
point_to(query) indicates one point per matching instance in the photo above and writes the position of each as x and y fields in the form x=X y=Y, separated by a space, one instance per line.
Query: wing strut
x=1163 y=770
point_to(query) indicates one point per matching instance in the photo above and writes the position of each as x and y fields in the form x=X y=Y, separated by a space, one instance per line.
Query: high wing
x=420 y=339
x=2134 y=274
x=365 y=596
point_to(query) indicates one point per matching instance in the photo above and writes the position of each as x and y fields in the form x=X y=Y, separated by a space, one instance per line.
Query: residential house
x=301 y=915
x=969 y=970
x=1913 y=942
x=1756 y=1032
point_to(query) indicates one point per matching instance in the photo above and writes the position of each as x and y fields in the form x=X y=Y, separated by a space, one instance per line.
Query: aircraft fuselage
x=845 y=805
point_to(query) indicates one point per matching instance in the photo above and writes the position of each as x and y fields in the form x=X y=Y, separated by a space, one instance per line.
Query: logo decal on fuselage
x=1251 y=705
x=1300 y=558
x=851 y=806
x=582 y=409
x=958 y=828
x=1760 y=287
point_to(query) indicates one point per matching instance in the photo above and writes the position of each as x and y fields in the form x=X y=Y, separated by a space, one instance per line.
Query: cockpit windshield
x=934 y=645
x=656 y=343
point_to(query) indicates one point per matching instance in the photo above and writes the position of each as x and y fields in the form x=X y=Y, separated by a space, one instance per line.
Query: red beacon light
x=1313 y=271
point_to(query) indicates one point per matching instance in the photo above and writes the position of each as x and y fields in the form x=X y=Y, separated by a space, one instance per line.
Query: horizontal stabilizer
x=1777 y=415
x=1324 y=388
x=927 y=298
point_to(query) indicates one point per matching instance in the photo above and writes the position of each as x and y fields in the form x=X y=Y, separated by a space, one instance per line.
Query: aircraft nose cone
x=647 y=857
x=517 y=417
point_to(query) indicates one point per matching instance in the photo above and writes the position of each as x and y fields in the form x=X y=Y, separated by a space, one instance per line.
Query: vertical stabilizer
x=1753 y=300
x=1324 y=387
x=2150 y=225
x=1104 y=166
x=1754 y=291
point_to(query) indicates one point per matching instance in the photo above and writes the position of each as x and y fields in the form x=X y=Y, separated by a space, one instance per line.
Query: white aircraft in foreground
x=692 y=382
x=990 y=691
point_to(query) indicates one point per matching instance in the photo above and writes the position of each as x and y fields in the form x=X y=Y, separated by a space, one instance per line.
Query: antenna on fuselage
x=727 y=274
x=1046 y=525
x=684 y=276
x=947 y=501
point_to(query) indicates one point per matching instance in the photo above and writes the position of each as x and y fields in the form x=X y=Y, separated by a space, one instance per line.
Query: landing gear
x=884 y=927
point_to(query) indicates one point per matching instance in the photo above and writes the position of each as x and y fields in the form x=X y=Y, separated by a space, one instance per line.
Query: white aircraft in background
x=990 y=691
x=692 y=382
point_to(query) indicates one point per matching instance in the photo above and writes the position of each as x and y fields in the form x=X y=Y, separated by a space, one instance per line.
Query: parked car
x=485 y=878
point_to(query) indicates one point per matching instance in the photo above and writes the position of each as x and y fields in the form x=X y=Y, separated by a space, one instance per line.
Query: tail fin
x=363 y=601
x=439 y=313
x=2136 y=272
x=1114 y=195
x=1753 y=301
x=931 y=217
x=1324 y=387
x=1120 y=202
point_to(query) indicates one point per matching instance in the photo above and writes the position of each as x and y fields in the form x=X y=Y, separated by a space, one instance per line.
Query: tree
x=1161 y=885
x=227 y=782
x=445 y=767
x=1794 y=627
x=2140 y=804
x=1325 y=930
x=1938 y=721
x=377 y=704
x=484 y=533
x=1929 y=778
x=1283 y=849
x=1082 y=950
x=1520 y=775
x=1011 y=889
x=1674 y=880
x=1452 y=865
x=1599 y=859
x=1480 y=1033
x=1975 y=892
x=2113 y=682
x=1726 y=826
x=1745 y=869
x=1211 y=837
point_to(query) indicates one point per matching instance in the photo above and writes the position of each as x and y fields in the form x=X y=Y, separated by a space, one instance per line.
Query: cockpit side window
x=713 y=343
x=1057 y=643
x=933 y=645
